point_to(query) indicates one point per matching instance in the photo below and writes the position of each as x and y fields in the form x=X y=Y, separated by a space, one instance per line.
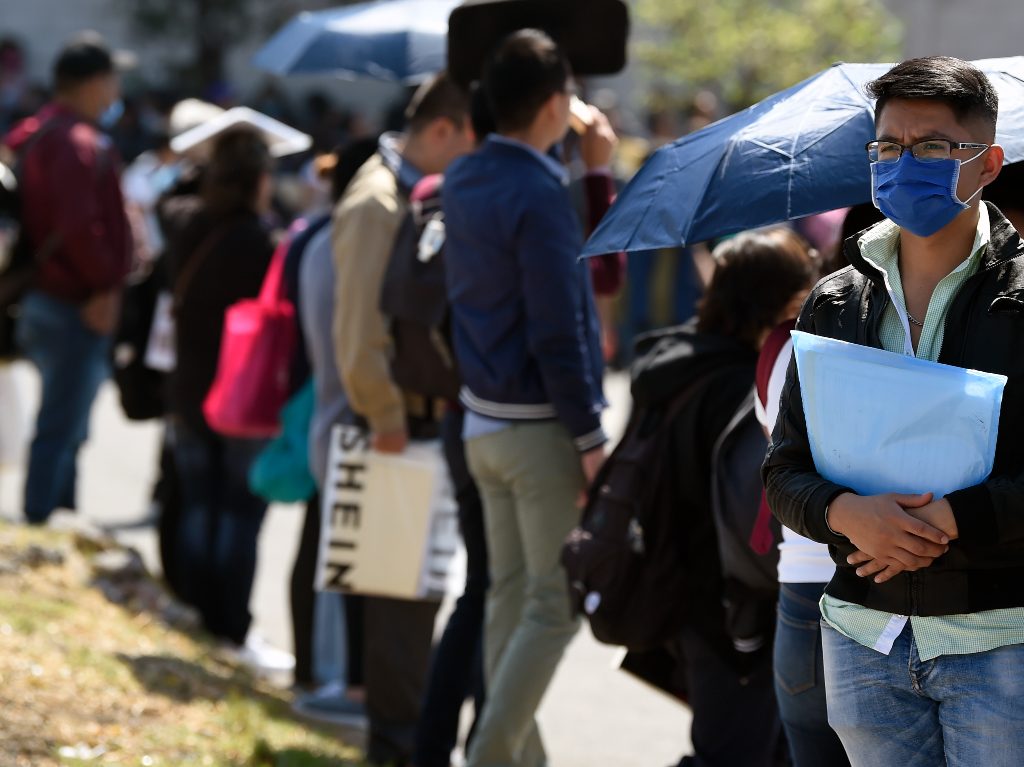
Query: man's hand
x=102 y=312
x=881 y=527
x=938 y=514
x=390 y=441
x=598 y=144
x=591 y=461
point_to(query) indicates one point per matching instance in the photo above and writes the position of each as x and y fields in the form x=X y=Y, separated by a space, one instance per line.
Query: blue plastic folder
x=880 y=422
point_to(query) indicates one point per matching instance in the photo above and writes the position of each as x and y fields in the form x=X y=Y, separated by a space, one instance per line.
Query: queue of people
x=519 y=415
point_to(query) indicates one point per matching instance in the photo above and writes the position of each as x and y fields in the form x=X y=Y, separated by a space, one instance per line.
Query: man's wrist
x=828 y=522
x=592 y=441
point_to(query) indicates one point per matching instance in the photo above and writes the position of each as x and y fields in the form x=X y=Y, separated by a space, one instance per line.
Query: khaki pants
x=529 y=477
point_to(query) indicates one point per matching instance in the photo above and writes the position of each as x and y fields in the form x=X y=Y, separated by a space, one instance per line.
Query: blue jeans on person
x=457 y=669
x=800 y=678
x=73 y=362
x=330 y=639
x=219 y=528
x=954 y=710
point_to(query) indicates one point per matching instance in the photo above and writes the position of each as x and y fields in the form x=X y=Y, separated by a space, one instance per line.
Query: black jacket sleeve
x=990 y=513
x=797 y=494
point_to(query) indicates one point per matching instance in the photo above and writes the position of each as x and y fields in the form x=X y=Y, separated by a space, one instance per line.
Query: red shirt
x=69 y=181
x=605 y=271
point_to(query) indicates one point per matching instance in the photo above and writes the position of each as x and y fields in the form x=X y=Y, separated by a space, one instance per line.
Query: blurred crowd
x=158 y=226
x=147 y=230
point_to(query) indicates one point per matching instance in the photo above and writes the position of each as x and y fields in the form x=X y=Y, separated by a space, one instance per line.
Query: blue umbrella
x=397 y=40
x=794 y=154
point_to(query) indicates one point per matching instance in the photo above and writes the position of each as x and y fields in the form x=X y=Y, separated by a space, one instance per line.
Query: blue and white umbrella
x=395 y=40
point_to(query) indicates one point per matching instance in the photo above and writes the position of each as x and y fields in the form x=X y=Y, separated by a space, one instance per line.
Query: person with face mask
x=74 y=220
x=923 y=622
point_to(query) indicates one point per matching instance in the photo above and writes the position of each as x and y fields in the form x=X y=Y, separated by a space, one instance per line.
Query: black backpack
x=751 y=579
x=628 y=582
x=17 y=267
x=19 y=258
x=415 y=299
x=141 y=389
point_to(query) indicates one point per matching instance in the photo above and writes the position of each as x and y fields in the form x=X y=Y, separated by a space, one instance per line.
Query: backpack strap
x=52 y=241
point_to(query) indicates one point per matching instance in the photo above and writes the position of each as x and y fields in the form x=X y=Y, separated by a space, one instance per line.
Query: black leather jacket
x=984 y=568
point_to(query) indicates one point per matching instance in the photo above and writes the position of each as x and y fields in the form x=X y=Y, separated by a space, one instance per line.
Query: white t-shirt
x=801 y=560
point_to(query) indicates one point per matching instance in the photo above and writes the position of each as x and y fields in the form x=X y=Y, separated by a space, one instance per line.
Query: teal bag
x=280 y=474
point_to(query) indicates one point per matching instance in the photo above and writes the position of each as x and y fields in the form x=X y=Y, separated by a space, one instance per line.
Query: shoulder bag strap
x=52 y=242
x=199 y=256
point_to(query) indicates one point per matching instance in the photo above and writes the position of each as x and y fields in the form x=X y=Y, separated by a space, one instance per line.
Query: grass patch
x=85 y=682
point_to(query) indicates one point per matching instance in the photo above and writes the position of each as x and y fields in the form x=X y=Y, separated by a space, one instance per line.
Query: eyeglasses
x=929 y=150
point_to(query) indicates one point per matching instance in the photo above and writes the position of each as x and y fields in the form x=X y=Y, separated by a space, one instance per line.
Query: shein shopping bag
x=390 y=522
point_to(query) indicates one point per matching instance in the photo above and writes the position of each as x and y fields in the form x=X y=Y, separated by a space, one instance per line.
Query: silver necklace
x=911 y=318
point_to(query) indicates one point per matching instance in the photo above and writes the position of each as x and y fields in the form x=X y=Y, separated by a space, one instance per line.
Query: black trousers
x=302 y=594
x=303 y=604
x=167 y=494
x=457 y=671
x=398 y=635
x=735 y=714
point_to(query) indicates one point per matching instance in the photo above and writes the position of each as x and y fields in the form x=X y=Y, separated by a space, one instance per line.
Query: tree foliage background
x=211 y=28
x=745 y=50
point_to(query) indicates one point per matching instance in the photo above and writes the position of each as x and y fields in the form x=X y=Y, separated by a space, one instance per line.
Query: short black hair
x=527 y=69
x=351 y=157
x=480 y=113
x=440 y=97
x=955 y=82
x=84 y=57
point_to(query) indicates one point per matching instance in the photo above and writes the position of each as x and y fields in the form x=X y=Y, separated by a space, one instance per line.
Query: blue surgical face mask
x=918 y=195
x=111 y=114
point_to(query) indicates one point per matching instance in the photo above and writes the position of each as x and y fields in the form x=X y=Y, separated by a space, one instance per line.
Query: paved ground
x=594 y=716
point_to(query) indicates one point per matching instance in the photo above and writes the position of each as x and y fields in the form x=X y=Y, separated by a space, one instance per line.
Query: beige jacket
x=364 y=227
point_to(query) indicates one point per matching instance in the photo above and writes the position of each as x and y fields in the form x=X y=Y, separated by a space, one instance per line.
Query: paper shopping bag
x=390 y=522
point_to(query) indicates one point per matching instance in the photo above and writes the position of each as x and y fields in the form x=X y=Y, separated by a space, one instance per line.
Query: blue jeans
x=219 y=528
x=72 y=362
x=954 y=710
x=800 y=678
x=330 y=639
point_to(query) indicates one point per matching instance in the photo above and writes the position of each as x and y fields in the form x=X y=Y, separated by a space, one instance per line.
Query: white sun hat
x=190 y=113
x=281 y=139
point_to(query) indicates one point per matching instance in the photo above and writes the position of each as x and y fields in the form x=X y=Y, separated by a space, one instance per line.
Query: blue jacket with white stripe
x=524 y=322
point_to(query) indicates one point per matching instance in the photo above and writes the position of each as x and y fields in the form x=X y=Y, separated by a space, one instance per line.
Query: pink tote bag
x=251 y=385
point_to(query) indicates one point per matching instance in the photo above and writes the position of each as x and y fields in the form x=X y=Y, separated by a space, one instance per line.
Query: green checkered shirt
x=949 y=634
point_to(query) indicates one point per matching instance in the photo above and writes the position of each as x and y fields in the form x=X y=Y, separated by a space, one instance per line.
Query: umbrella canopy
x=593 y=33
x=396 y=40
x=796 y=153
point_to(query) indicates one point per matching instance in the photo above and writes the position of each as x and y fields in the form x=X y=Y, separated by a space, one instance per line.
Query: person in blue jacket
x=527 y=339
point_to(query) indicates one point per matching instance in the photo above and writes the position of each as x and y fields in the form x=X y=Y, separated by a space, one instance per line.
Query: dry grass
x=83 y=681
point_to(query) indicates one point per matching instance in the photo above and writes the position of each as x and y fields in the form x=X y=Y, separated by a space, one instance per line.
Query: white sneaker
x=262 y=657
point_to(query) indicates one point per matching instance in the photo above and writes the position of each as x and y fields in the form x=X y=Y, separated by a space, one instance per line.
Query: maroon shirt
x=69 y=184
x=605 y=271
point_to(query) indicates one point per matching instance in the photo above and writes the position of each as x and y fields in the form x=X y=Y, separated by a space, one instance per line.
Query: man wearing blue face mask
x=923 y=623
x=74 y=220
